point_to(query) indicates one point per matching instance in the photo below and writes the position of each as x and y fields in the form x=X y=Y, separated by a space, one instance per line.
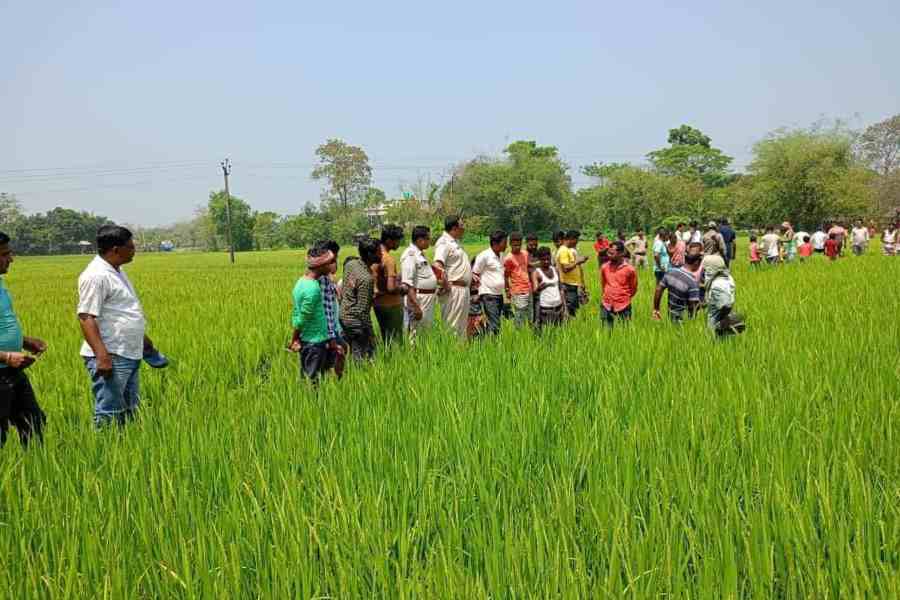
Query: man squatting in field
x=357 y=297
x=113 y=324
x=419 y=283
x=18 y=405
x=454 y=273
x=310 y=338
x=388 y=293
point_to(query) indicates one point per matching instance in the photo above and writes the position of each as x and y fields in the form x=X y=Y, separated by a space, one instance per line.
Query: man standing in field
x=569 y=266
x=419 y=283
x=660 y=254
x=683 y=288
x=18 y=405
x=332 y=307
x=601 y=248
x=490 y=271
x=112 y=323
x=713 y=241
x=840 y=234
x=454 y=273
x=388 y=293
x=518 y=280
x=859 y=238
x=356 y=303
x=637 y=247
x=728 y=236
x=618 y=281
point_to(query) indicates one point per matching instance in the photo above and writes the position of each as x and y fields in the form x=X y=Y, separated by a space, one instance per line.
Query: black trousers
x=361 y=341
x=316 y=360
x=19 y=407
x=573 y=301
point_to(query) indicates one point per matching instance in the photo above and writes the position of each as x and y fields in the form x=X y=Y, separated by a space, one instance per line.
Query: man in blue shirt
x=18 y=406
x=729 y=235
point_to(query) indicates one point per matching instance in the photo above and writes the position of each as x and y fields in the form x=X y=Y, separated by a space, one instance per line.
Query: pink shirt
x=754 y=252
x=678 y=253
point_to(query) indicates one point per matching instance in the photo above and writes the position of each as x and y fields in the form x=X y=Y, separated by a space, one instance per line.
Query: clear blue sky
x=125 y=108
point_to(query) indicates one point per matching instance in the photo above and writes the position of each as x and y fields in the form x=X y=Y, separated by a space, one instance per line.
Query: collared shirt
x=330 y=305
x=489 y=267
x=356 y=302
x=515 y=267
x=456 y=261
x=11 y=338
x=415 y=271
x=107 y=294
x=713 y=243
x=383 y=271
x=659 y=248
x=308 y=316
x=619 y=285
x=818 y=239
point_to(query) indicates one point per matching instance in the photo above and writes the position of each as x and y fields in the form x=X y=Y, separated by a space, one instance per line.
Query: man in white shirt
x=489 y=268
x=112 y=322
x=454 y=274
x=818 y=240
x=859 y=238
x=419 y=283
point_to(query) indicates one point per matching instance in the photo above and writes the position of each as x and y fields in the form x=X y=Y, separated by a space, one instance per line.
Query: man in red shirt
x=619 y=282
x=601 y=247
x=518 y=280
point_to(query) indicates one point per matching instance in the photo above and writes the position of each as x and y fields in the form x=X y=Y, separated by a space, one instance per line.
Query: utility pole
x=226 y=171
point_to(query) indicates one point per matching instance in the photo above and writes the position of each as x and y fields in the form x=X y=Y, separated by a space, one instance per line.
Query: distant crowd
x=536 y=286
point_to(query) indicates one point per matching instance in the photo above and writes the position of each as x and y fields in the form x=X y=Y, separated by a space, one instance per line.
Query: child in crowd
x=754 y=252
x=475 y=326
x=547 y=288
x=832 y=246
x=805 y=250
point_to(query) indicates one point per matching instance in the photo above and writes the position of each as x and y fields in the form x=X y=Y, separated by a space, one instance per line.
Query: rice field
x=644 y=462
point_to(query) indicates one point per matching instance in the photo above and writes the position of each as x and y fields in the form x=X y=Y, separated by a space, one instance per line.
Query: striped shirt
x=358 y=290
x=683 y=289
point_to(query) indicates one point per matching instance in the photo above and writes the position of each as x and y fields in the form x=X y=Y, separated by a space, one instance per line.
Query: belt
x=459 y=283
x=421 y=291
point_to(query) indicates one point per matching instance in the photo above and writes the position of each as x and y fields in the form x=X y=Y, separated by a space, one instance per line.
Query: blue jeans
x=493 y=312
x=117 y=397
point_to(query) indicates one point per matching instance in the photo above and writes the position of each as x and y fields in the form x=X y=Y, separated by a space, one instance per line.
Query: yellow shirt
x=566 y=256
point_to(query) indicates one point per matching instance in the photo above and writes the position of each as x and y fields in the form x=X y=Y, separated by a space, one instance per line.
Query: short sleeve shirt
x=455 y=260
x=108 y=296
x=659 y=247
x=11 y=338
x=565 y=257
x=387 y=268
x=308 y=314
x=683 y=289
x=416 y=271
x=516 y=268
x=490 y=268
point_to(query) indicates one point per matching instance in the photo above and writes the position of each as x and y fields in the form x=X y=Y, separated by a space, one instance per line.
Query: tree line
x=803 y=175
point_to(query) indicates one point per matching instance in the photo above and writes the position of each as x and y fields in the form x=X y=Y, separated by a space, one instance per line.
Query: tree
x=11 y=215
x=690 y=155
x=241 y=219
x=879 y=145
x=347 y=170
x=806 y=176
x=528 y=190
x=266 y=230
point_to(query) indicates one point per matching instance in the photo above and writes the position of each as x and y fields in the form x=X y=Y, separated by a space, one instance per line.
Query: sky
x=126 y=109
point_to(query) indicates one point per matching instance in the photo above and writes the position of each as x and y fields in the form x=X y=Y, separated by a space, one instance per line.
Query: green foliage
x=57 y=231
x=806 y=176
x=347 y=171
x=690 y=155
x=527 y=191
x=879 y=145
x=242 y=219
x=267 y=230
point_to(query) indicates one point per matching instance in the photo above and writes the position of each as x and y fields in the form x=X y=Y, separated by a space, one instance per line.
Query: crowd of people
x=535 y=286
x=515 y=277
